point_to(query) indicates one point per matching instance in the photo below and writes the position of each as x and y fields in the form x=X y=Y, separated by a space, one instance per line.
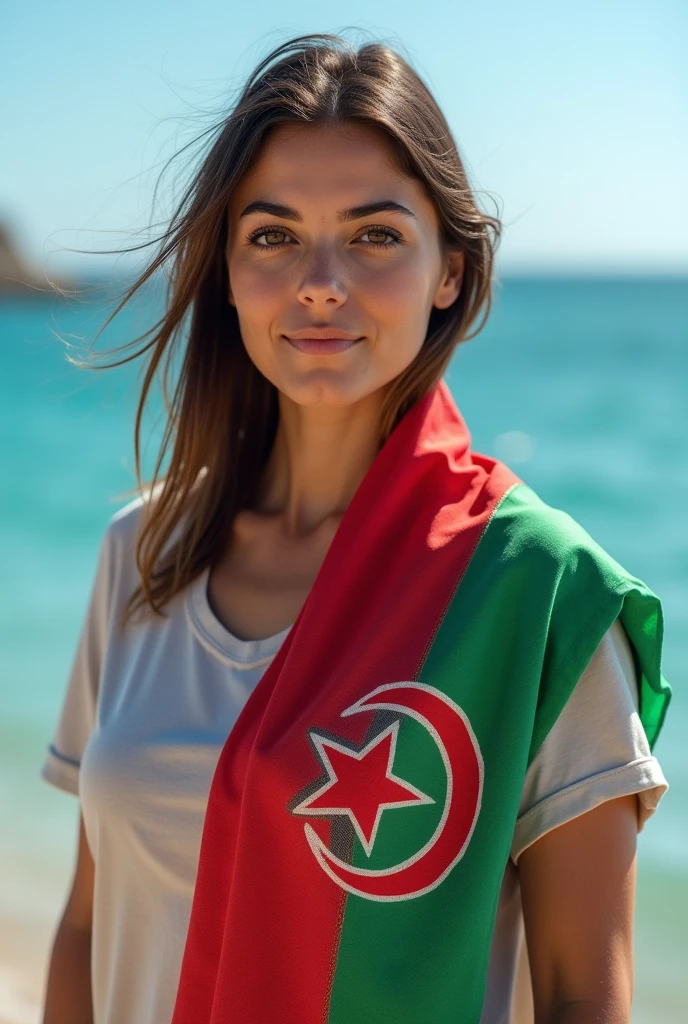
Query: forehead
x=305 y=164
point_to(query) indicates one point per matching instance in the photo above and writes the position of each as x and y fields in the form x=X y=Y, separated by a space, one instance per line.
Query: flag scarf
x=363 y=806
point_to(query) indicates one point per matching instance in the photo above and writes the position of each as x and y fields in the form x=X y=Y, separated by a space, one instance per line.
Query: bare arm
x=578 y=890
x=68 y=992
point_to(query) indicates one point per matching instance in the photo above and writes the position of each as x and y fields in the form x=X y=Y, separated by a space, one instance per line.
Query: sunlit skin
x=376 y=276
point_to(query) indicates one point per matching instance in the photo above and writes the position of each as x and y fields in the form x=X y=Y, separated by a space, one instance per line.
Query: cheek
x=255 y=289
x=257 y=300
x=396 y=290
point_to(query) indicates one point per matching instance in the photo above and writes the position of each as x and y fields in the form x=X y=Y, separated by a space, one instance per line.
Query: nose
x=322 y=283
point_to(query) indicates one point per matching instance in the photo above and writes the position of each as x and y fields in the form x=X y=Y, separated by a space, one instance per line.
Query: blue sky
x=572 y=116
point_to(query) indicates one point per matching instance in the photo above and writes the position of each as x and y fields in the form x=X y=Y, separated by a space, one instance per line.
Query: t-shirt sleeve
x=78 y=713
x=597 y=749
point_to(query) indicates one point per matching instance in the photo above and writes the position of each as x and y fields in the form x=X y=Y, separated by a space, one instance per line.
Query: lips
x=322 y=340
x=322 y=346
x=322 y=334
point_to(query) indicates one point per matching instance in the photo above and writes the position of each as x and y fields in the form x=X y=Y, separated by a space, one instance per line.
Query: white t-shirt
x=144 y=718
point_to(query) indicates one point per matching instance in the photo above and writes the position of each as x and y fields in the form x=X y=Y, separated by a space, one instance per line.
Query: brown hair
x=222 y=415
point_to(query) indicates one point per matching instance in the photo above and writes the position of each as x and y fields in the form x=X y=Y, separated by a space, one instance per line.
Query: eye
x=269 y=233
x=380 y=230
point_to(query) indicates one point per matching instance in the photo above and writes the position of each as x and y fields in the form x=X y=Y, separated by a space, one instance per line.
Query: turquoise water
x=581 y=386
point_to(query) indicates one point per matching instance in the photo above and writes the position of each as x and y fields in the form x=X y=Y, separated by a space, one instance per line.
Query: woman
x=393 y=692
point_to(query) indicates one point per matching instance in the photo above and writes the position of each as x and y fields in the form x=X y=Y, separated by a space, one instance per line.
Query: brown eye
x=381 y=237
x=273 y=238
x=276 y=238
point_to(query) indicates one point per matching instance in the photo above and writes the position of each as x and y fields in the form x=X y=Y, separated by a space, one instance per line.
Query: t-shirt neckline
x=215 y=636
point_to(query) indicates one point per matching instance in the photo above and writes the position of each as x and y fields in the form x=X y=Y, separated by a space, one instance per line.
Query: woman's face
x=301 y=256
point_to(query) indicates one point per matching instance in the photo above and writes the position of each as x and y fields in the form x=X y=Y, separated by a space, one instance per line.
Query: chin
x=325 y=388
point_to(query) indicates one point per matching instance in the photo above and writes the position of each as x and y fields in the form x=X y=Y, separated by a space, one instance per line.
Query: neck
x=320 y=456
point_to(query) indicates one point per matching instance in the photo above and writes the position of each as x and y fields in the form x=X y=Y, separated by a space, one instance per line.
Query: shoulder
x=532 y=522
x=584 y=580
x=568 y=590
x=122 y=528
x=118 y=554
x=118 y=540
x=117 y=569
x=551 y=542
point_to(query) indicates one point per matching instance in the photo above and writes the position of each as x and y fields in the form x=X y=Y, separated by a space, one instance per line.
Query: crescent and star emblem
x=360 y=784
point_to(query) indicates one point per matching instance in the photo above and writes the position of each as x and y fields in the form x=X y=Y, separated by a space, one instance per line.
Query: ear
x=450 y=286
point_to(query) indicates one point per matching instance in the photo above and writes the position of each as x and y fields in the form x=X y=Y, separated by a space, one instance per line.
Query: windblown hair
x=222 y=414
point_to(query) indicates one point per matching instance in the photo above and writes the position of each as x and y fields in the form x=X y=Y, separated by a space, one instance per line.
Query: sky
x=571 y=118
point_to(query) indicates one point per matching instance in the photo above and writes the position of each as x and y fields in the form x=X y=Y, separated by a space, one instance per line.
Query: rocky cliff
x=17 y=276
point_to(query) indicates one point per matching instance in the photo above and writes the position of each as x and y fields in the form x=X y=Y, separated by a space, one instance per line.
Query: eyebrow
x=355 y=213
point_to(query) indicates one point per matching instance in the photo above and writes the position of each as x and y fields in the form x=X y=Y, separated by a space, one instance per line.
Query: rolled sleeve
x=597 y=750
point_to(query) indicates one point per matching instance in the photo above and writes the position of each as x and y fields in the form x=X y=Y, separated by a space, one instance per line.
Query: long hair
x=222 y=413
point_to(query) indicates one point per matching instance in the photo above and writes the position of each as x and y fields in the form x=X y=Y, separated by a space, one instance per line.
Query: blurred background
x=571 y=119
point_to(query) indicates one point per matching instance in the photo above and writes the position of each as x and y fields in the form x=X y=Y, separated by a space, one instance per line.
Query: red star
x=360 y=784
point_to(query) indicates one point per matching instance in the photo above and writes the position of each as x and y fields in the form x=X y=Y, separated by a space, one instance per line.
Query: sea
x=580 y=384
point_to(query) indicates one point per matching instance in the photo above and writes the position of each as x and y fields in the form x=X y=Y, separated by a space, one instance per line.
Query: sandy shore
x=25 y=946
